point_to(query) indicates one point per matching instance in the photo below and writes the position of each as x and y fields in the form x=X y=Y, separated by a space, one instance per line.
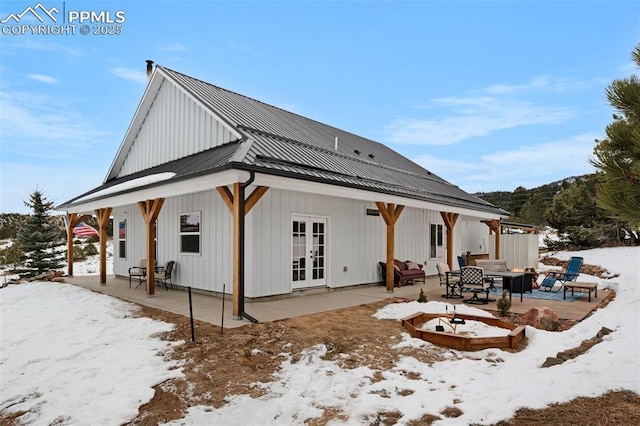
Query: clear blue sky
x=488 y=95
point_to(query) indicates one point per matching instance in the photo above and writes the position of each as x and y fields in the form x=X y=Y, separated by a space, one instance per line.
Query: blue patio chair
x=461 y=262
x=569 y=274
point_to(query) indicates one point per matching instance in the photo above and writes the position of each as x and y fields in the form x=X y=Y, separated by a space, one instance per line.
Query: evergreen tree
x=518 y=198
x=574 y=206
x=39 y=236
x=532 y=210
x=618 y=156
x=11 y=256
x=10 y=223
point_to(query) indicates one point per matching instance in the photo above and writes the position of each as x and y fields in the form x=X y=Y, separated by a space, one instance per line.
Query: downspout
x=243 y=314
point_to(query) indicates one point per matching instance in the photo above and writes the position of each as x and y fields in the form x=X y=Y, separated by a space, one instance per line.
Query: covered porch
x=209 y=307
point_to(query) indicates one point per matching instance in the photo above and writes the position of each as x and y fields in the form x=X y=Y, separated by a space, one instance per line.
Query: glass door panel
x=308 y=252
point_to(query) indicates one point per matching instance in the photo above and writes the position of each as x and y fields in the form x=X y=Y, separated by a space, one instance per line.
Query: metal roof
x=184 y=168
x=289 y=157
x=244 y=112
x=286 y=144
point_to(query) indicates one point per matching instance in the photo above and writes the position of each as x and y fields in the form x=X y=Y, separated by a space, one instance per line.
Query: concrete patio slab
x=209 y=308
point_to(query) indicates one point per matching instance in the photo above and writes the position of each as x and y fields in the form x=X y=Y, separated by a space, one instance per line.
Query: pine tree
x=40 y=236
x=574 y=205
x=618 y=156
x=12 y=256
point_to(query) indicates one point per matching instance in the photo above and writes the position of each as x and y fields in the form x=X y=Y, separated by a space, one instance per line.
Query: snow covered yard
x=72 y=356
x=75 y=357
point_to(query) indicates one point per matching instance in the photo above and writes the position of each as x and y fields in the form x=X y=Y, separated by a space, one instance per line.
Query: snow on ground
x=89 y=266
x=75 y=355
x=487 y=391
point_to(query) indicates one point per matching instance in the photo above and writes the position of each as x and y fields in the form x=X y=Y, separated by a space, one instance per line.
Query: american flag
x=84 y=230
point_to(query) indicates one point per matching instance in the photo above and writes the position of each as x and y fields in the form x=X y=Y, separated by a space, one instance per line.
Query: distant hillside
x=527 y=205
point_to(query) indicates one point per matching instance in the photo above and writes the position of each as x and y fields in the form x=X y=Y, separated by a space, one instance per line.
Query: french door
x=308 y=251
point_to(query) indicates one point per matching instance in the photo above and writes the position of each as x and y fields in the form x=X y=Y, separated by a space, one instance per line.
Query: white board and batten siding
x=355 y=242
x=519 y=250
x=175 y=127
x=470 y=235
x=209 y=269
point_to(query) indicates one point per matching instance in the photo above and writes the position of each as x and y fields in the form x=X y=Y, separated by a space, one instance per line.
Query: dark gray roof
x=188 y=167
x=243 y=112
x=287 y=144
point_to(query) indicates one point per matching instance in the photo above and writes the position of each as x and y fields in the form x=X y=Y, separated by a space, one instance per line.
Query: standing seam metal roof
x=301 y=147
x=288 y=144
x=253 y=114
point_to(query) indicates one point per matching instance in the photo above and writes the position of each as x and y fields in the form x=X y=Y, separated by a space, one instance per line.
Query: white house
x=238 y=191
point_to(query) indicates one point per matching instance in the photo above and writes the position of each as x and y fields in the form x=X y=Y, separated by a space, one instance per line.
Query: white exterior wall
x=207 y=271
x=355 y=241
x=175 y=127
x=519 y=250
x=470 y=235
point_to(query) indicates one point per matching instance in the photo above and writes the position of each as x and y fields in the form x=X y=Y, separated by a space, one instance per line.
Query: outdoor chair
x=138 y=272
x=472 y=279
x=461 y=262
x=452 y=281
x=569 y=274
x=163 y=274
x=443 y=268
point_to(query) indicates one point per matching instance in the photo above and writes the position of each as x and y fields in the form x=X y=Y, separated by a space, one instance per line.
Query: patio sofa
x=492 y=265
x=403 y=272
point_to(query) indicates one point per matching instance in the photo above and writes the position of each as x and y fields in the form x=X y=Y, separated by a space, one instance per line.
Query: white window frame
x=439 y=237
x=190 y=233
x=122 y=242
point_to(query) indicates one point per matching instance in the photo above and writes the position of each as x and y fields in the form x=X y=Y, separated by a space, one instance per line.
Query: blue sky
x=488 y=95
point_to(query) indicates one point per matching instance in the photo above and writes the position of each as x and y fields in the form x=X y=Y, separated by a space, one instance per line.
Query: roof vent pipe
x=336 y=144
x=149 y=69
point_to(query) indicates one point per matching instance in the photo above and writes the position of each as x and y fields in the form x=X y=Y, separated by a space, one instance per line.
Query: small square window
x=371 y=212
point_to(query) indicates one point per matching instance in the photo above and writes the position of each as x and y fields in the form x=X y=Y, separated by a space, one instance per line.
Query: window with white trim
x=122 y=239
x=190 y=233
x=436 y=244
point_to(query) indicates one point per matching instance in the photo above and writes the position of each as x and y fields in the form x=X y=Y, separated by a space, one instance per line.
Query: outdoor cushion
x=401 y=266
x=412 y=265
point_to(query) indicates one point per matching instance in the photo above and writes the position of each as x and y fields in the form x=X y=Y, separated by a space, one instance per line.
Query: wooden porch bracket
x=150 y=210
x=450 y=220
x=390 y=213
x=103 y=221
x=495 y=227
x=73 y=219
x=232 y=201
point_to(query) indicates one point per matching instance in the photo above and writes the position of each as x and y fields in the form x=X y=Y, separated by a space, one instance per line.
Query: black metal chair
x=472 y=280
x=138 y=272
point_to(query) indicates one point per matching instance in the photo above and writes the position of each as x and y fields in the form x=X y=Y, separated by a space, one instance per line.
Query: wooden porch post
x=103 y=221
x=150 y=210
x=72 y=220
x=450 y=220
x=390 y=213
x=232 y=201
